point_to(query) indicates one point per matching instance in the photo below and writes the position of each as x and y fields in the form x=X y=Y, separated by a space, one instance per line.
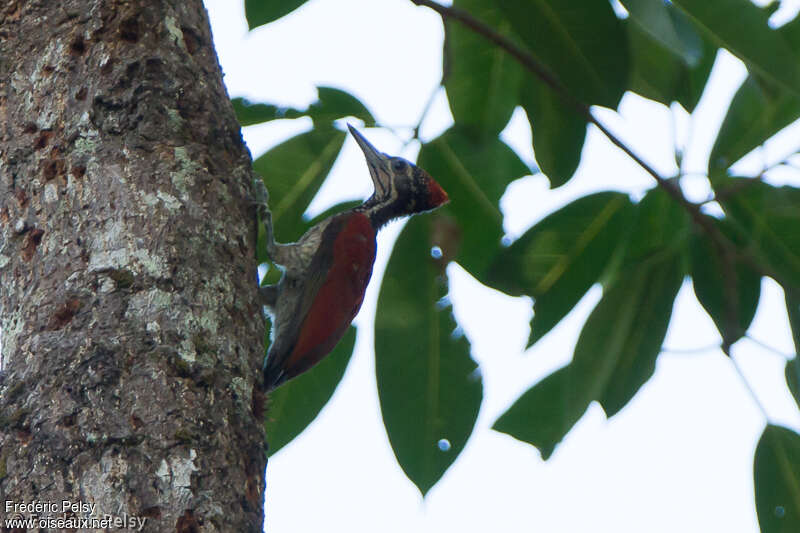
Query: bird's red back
x=339 y=296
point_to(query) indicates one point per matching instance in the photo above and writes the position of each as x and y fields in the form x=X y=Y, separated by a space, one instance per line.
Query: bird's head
x=401 y=188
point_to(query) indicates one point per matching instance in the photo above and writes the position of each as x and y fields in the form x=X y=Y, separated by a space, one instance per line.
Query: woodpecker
x=326 y=272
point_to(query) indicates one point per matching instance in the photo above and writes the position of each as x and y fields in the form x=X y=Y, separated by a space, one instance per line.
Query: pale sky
x=677 y=458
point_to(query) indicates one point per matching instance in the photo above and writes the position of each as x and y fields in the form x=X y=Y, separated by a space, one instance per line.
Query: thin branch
x=719 y=346
x=424 y=114
x=750 y=389
x=677 y=150
x=690 y=351
x=550 y=79
x=739 y=185
x=769 y=348
x=742 y=378
x=527 y=60
x=727 y=249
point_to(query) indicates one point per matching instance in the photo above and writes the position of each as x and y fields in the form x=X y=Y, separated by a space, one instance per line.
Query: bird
x=326 y=272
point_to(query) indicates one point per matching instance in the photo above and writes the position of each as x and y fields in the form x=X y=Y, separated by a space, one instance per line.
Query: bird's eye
x=398 y=165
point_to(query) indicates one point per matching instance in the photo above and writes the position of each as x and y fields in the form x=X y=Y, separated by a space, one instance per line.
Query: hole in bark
x=190 y=40
x=22 y=198
x=42 y=141
x=154 y=66
x=258 y=404
x=53 y=168
x=129 y=29
x=78 y=171
x=131 y=74
x=151 y=512
x=30 y=127
x=81 y=94
x=187 y=523
x=32 y=240
x=65 y=314
x=77 y=46
x=24 y=436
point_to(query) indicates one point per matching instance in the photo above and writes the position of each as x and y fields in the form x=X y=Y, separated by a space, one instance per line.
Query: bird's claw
x=261 y=199
x=261 y=194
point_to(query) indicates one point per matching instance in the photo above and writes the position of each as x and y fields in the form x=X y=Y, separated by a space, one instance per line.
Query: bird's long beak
x=376 y=161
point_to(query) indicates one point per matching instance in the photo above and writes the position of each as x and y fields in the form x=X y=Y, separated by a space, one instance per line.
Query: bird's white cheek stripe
x=388 y=185
x=381 y=177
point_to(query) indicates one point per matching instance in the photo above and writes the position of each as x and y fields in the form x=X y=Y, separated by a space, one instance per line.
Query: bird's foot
x=260 y=196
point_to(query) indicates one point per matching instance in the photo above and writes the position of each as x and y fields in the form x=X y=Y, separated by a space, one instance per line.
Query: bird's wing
x=298 y=297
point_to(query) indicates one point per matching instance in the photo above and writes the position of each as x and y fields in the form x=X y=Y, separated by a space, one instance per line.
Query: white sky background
x=678 y=458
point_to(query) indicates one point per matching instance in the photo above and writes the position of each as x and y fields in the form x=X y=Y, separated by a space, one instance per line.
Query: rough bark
x=131 y=335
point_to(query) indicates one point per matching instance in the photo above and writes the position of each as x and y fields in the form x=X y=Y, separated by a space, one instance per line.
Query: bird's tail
x=274 y=375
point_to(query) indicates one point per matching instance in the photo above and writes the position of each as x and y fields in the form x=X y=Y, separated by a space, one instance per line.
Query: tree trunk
x=131 y=334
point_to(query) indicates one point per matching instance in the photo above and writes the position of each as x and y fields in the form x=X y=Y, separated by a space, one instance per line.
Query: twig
x=726 y=249
x=750 y=389
x=769 y=348
x=549 y=79
x=739 y=185
x=424 y=113
x=690 y=351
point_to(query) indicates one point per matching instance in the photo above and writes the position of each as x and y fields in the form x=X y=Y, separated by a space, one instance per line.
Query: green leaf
x=581 y=41
x=331 y=211
x=294 y=405
x=557 y=260
x=618 y=346
x=249 y=113
x=657 y=19
x=792 y=370
x=660 y=225
x=620 y=341
x=759 y=110
x=792 y=299
x=615 y=355
x=727 y=290
x=660 y=74
x=293 y=172
x=546 y=412
x=693 y=82
x=777 y=480
x=558 y=131
x=331 y=104
x=768 y=217
x=430 y=390
x=792 y=373
x=655 y=70
x=336 y=103
x=482 y=81
x=260 y=12
x=475 y=175
x=742 y=28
